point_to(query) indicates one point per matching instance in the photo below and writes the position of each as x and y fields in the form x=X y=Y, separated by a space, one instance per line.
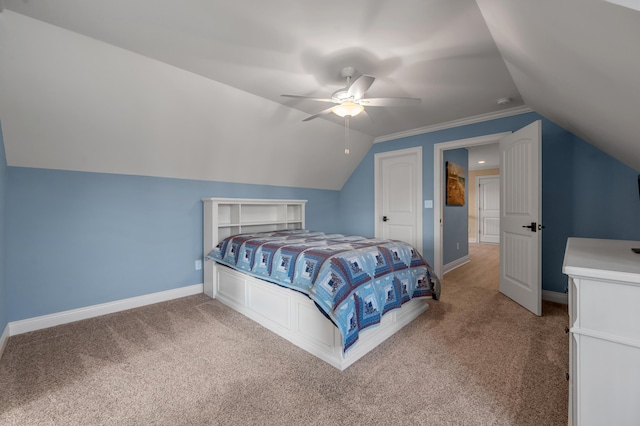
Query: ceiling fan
x=350 y=101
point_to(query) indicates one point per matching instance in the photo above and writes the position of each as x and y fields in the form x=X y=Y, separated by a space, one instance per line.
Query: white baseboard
x=472 y=240
x=51 y=320
x=455 y=264
x=3 y=340
x=554 y=296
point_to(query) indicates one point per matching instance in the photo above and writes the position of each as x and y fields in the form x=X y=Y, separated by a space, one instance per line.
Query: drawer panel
x=231 y=287
x=608 y=383
x=269 y=304
x=315 y=327
x=608 y=307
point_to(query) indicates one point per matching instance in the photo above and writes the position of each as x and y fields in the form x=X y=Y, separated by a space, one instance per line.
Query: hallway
x=483 y=270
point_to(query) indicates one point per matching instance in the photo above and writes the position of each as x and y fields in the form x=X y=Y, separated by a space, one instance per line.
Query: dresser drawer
x=607 y=383
x=606 y=307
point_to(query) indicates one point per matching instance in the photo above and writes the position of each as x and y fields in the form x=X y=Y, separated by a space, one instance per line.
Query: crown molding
x=455 y=123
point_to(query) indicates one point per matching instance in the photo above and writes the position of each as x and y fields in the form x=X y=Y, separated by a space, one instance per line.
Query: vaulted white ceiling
x=577 y=62
x=192 y=89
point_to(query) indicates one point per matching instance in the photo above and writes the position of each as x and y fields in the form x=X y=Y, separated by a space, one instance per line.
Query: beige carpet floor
x=474 y=358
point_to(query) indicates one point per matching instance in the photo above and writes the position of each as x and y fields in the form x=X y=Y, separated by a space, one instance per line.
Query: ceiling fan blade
x=360 y=86
x=323 y=112
x=364 y=116
x=309 y=98
x=389 y=102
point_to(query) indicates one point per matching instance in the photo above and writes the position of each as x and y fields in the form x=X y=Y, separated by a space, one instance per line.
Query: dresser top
x=602 y=259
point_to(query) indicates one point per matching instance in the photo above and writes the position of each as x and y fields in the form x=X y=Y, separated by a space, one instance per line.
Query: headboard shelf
x=224 y=217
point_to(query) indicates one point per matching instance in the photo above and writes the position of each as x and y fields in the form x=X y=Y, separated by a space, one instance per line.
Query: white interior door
x=520 y=242
x=488 y=209
x=398 y=196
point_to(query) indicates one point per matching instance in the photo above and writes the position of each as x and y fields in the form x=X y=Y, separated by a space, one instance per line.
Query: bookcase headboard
x=224 y=217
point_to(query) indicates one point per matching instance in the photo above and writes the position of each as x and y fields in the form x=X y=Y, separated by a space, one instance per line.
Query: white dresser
x=604 y=318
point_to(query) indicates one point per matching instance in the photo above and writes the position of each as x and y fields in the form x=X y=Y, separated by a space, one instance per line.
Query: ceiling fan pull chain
x=346 y=135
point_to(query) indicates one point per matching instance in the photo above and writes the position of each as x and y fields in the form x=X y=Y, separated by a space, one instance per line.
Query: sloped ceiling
x=193 y=89
x=577 y=62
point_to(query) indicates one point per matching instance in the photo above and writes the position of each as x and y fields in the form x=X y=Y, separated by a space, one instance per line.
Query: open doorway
x=484 y=216
x=520 y=214
x=481 y=251
x=439 y=187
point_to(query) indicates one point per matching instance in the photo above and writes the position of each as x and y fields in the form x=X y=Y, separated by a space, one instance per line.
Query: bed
x=333 y=295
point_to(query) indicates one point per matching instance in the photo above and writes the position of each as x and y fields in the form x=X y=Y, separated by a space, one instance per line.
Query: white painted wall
x=73 y=103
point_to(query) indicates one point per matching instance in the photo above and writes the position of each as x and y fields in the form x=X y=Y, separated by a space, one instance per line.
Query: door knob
x=385 y=218
x=533 y=226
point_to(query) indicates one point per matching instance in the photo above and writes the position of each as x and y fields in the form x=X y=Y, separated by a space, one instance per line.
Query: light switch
x=428 y=204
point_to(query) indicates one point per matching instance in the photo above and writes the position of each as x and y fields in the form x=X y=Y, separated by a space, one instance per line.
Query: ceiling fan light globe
x=345 y=109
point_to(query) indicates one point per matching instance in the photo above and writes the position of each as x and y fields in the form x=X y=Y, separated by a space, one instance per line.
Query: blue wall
x=455 y=233
x=586 y=193
x=80 y=239
x=3 y=209
x=605 y=195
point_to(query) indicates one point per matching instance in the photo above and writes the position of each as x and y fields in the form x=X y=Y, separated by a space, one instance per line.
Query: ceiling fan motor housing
x=340 y=95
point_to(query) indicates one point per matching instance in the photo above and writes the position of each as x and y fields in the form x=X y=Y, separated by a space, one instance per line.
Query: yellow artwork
x=455 y=184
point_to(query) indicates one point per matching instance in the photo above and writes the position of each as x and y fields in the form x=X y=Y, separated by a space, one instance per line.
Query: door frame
x=477 y=212
x=377 y=165
x=438 y=187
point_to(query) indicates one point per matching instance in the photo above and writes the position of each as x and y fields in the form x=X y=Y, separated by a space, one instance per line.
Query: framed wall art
x=455 y=184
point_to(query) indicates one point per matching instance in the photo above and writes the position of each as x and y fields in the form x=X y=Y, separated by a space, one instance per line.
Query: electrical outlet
x=198 y=265
x=457 y=246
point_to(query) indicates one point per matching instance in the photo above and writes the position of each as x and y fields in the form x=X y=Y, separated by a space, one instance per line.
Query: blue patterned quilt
x=353 y=280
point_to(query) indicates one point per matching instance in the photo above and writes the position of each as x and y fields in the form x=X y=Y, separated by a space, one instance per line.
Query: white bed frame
x=287 y=313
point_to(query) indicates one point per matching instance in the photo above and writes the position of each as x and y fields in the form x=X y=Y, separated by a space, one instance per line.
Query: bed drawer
x=231 y=287
x=315 y=327
x=272 y=305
